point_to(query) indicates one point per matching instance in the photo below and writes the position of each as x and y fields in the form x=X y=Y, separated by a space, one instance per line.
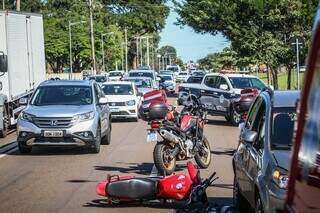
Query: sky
x=190 y=45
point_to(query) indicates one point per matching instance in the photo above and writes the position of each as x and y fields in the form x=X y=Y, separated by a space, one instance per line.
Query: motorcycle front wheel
x=203 y=157
x=162 y=161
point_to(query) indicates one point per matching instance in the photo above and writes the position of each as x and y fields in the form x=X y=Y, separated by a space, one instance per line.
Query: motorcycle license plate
x=152 y=136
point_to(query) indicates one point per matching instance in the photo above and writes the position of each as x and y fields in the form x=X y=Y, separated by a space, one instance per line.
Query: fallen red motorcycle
x=178 y=187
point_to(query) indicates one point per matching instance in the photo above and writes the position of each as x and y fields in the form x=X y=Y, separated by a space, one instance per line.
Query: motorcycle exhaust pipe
x=169 y=136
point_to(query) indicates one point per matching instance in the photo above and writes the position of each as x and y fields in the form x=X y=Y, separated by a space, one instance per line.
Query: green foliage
x=259 y=30
x=218 y=61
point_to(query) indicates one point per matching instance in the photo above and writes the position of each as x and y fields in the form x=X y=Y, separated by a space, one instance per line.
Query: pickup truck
x=219 y=92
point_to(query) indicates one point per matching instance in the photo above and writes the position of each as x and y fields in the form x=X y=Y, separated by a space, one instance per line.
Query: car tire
x=95 y=148
x=227 y=117
x=239 y=202
x=106 y=140
x=23 y=149
x=235 y=117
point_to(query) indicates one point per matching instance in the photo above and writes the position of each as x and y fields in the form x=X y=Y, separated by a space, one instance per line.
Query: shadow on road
x=46 y=151
x=123 y=120
x=229 y=152
x=141 y=169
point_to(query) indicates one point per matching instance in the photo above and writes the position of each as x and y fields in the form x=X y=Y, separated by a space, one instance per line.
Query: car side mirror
x=249 y=136
x=103 y=101
x=23 y=101
x=3 y=62
x=224 y=87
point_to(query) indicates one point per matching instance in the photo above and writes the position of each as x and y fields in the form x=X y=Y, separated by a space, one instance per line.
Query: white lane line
x=154 y=172
x=12 y=150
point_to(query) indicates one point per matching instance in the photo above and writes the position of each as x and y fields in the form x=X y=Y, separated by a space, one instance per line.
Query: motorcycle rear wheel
x=160 y=157
x=204 y=161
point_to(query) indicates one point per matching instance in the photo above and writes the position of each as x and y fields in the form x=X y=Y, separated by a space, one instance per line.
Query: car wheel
x=95 y=148
x=235 y=117
x=239 y=202
x=23 y=149
x=227 y=117
x=259 y=206
x=106 y=140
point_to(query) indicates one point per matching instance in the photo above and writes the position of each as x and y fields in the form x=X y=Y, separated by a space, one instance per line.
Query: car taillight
x=248 y=94
x=155 y=125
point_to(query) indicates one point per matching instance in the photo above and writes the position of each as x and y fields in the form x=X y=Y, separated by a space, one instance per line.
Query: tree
x=258 y=30
x=219 y=61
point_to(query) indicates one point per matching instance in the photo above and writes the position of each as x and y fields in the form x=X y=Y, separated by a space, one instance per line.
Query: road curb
x=7 y=147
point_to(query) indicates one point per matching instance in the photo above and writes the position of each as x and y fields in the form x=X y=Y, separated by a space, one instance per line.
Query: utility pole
x=141 y=53
x=122 y=57
x=297 y=45
x=17 y=4
x=93 y=55
x=102 y=48
x=137 y=52
x=3 y=5
x=126 y=38
x=148 y=52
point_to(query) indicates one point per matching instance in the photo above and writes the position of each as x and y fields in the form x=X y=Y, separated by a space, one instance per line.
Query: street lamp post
x=102 y=48
x=93 y=55
x=70 y=43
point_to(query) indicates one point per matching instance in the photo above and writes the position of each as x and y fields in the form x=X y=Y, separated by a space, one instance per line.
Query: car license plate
x=114 y=110
x=152 y=136
x=53 y=134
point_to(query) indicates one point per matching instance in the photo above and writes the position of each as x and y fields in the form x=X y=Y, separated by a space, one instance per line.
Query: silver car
x=65 y=113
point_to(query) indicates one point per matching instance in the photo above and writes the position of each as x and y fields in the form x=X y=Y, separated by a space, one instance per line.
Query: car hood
x=194 y=86
x=58 y=110
x=144 y=90
x=120 y=98
x=282 y=158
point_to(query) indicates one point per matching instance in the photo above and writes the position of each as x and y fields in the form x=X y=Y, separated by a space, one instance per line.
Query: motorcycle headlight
x=26 y=116
x=83 y=117
x=146 y=105
x=280 y=178
x=131 y=103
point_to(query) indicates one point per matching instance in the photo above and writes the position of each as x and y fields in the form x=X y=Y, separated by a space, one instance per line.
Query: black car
x=261 y=160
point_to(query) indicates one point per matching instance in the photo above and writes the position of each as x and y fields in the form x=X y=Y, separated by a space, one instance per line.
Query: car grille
x=52 y=122
x=117 y=103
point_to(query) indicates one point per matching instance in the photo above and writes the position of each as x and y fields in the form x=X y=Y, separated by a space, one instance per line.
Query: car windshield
x=115 y=74
x=99 y=79
x=62 y=95
x=194 y=80
x=141 y=74
x=182 y=73
x=241 y=83
x=198 y=73
x=282 y=127
x=117 y=89
x=165 y=78
x=141 y=83
x=166 y=73
x=174 y=69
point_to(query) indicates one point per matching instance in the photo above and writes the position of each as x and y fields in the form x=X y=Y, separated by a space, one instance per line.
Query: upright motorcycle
x=181 y=133
x=179 y=187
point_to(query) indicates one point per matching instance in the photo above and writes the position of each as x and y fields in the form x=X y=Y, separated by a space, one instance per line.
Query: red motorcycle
x=178 y=187
x=182 y=136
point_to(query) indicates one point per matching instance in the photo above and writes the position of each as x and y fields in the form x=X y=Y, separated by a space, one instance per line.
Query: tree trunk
x=289 y=70
x=274 y=73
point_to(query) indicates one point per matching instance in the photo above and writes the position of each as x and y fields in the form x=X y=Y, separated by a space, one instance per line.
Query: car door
x=222 y=99
x=255 y=152
x=209 y=92
x=243 y=153
x=102 y=109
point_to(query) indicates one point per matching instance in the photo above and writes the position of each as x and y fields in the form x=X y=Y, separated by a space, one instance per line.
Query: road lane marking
x=154 y=172
x=10 y=151
x=8 y=147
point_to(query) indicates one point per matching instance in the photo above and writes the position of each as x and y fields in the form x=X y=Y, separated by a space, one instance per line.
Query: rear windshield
x=183 y=73
x=114 y=74
x=62 y=95
x=117 y=89
x=165 y=78
x=194 y=80
x=141 y=74
x=99 y=79
x=241 y=83
x=141 y=83
x=174 y=69
x=282 y=127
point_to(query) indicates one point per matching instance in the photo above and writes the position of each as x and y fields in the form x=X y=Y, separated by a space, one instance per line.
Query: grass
x=282 y=79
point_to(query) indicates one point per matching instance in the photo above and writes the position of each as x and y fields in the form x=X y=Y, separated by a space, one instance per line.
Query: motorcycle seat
x=134 y=189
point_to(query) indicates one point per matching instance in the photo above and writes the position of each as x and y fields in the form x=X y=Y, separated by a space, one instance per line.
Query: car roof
x=287 y=98
x=165 y=75
x=148 y=71
x=67 y=83
x=117 y=82
x=239 y=75
x=141 y=78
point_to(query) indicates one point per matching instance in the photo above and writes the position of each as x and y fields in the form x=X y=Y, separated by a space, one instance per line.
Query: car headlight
x=26 y=116
x=131 y=103
x=83 y=117
x=280 y=178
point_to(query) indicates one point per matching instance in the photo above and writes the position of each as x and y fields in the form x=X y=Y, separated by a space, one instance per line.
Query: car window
x=194 y=80
x=115 y=74
x=96 y=93
x=253 y=112
x=211 y=81
x=256 y=83
x=63 y=95
x=118 y=89
x=258 y=125
x=141 y=74
x=223 y=81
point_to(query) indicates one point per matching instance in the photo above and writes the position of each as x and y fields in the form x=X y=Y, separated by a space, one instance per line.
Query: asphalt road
x=64 y=180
